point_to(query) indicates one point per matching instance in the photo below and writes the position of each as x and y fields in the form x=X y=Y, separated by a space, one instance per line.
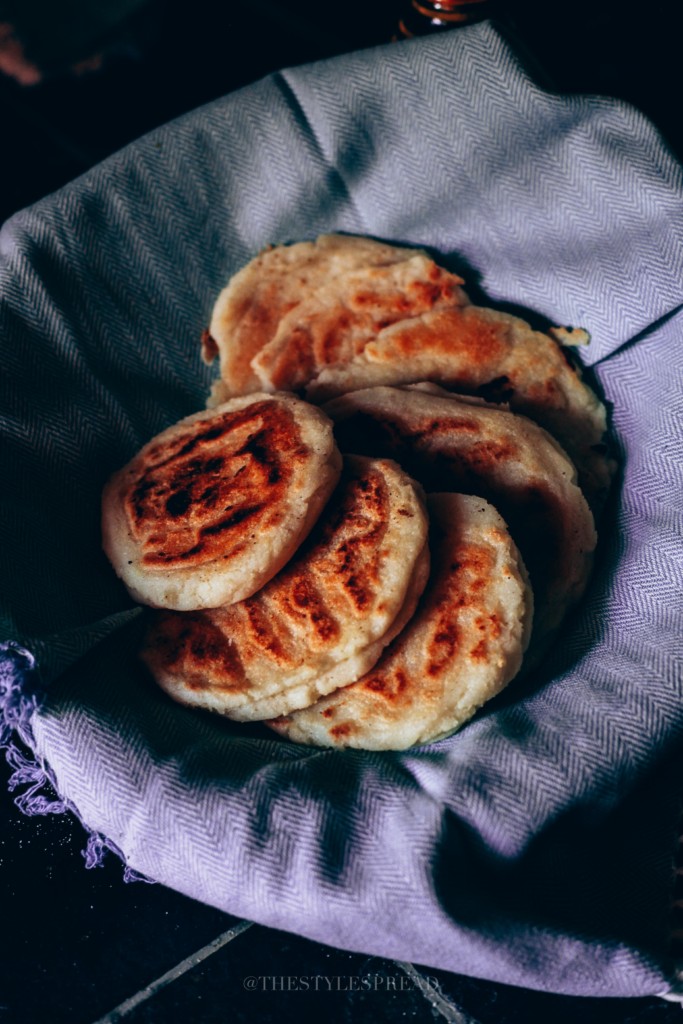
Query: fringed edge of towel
x=21 y=691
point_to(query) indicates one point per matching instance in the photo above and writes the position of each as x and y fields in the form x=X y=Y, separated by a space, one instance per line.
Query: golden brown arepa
x=467 y=445
x=210 y=509
x=321 y=622
x=296 y=308
x=464 y=644
x=499 y=357
x=347 y=312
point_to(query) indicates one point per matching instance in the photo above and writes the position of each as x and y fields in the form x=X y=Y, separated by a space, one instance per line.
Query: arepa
x=211 y=508
x=321 y=622
x=348 y=312
x=483 y=351
x=467 y=445
x=294 y=307
x=462 y=647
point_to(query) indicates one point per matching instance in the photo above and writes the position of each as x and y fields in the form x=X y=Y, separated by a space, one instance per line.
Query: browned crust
x=336 y=575
x=332 y=588
x=504 y=458
x=215 y=484
x=463 y=645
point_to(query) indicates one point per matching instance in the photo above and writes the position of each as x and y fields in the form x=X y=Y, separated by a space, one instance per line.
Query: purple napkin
x=536 y=846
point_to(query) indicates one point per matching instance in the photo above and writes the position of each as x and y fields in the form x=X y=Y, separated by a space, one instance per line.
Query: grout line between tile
x=120 y=1011
x=448 y=1010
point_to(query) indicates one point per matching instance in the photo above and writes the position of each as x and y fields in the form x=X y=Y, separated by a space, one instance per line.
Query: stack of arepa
x=384 y=515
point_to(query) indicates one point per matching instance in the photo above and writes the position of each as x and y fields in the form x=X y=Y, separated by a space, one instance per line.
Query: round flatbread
x=210 y=509
x=345 y=312
x=321 y=622
x=498 y=357
x=466 y=445
x=296 y=306
x=464 y=644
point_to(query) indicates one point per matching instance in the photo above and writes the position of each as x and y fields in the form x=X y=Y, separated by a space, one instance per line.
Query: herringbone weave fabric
x=535 y=846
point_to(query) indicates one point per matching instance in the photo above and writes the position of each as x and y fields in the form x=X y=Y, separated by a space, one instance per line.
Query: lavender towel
x=534 y=847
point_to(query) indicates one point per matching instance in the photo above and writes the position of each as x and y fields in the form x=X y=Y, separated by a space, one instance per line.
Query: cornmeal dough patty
x=466 y=445
x=464 y=644
x=321 y=622
x=294 y=306
x=346 y=312
x=214 y=506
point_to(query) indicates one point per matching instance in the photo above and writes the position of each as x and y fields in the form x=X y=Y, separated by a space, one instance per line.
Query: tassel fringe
x=20 y=695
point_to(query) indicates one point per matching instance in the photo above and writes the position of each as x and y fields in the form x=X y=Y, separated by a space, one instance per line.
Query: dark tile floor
x=79 y=945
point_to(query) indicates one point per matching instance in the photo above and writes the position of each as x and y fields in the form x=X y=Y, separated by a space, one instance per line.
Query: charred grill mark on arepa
x=390 y=685
x=340 y=573
x=360 y=523
x=427 y=448
x=453 y=443
x=212 y=507
x=191 y=643
x=301 y=600
x=457 y=593
x=462 y=646
x=322 y=621
x=197 y=500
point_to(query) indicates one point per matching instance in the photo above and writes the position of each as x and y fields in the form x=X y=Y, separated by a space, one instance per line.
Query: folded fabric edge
x=21 y=696
x=21 y=692
x=646 y=331
x=57 y=652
